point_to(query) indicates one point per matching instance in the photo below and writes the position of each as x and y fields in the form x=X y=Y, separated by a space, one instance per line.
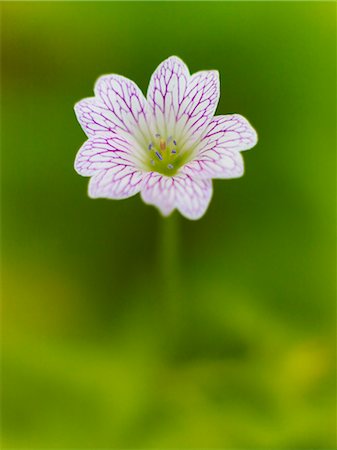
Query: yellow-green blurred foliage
x=247 y=360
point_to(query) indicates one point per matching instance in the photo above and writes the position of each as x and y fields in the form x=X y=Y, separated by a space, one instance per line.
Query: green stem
x=170 y=270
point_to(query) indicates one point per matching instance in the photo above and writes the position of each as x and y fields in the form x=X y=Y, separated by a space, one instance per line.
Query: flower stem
x=170 y=270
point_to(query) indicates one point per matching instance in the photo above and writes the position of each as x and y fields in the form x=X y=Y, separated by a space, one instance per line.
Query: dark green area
x=235 y=349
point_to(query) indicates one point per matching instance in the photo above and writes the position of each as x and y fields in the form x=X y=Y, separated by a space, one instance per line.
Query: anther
x=170 y=166
x=159 y=156
x=173 y=151
x=152 y=162
x=174 y=142
x=157 y=135
x=150 y=146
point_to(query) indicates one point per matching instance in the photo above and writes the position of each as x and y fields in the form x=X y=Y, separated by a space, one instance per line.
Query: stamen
x=163 y=152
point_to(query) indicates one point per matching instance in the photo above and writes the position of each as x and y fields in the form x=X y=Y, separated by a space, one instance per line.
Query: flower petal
x=117 y=182
x=216 y=163
x=118 y=107
x=218 y=154
x=190 y=196
x=198 y=106
x=231 y=131
x=100 y=153
x=182 y=104
x=94 y=117
x=127 y=104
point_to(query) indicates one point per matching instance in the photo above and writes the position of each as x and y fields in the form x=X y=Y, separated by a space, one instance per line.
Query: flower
x=168 y=147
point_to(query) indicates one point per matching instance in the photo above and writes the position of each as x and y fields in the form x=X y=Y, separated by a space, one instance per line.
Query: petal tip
x=176 y=58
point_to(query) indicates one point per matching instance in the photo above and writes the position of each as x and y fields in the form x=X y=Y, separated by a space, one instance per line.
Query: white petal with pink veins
x=117 y=182
x=216 y=163
x=190 y=196
x=232 y=132
x=104 y=152
x=218 y=154
x=94 y=117
x=165 y=93
x=198 y=106
x=128 y=107
x=182 y=104
x=119 y=107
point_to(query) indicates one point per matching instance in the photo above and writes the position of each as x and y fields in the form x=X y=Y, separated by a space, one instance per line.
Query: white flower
x=168 y=147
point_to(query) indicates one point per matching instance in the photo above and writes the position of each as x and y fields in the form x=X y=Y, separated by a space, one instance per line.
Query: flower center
x=164 y=155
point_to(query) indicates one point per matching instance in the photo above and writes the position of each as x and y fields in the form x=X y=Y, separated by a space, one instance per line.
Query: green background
x=233 y=347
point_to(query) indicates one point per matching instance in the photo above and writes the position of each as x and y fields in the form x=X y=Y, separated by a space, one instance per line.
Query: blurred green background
x=98 y=351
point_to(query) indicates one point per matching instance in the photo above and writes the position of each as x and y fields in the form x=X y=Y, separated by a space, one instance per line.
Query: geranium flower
x=168 y=147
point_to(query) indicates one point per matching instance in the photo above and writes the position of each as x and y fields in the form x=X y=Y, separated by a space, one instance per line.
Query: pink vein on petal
x=190 y=196
x=182 y=104
x=102 y=153
x=117 y=182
